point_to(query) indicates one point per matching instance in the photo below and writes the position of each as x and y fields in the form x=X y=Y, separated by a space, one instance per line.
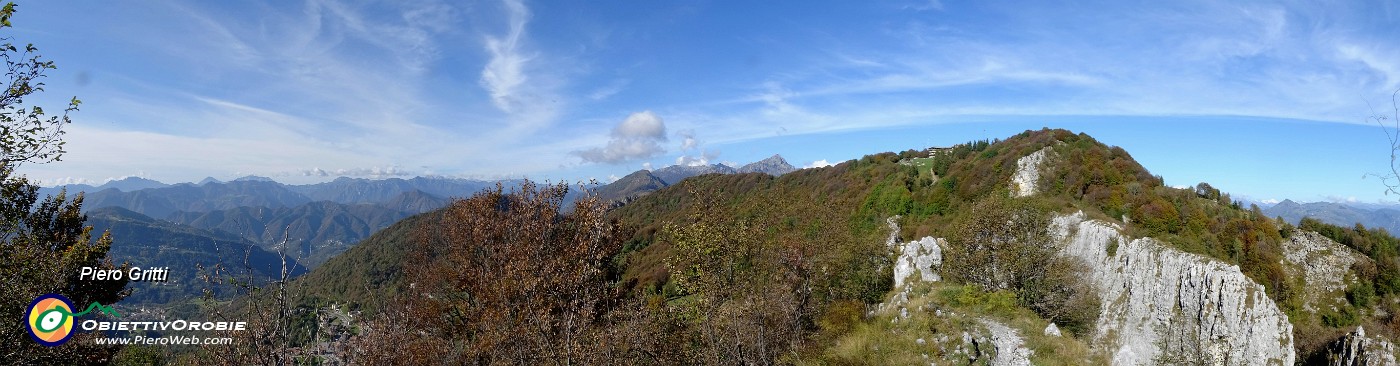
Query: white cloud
x=1271 y=201
x=687 y=160
x=704 y=157
x=369 y=172
x=644 y=125
x=817 y=164
x=635 y=138
x=1340 y=199
x=64 y=181
x=504 y=74
x=688 y=141
x=141 y=174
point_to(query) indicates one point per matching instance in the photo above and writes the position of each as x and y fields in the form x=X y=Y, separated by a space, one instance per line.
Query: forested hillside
x=752 y=268
x=195 y=252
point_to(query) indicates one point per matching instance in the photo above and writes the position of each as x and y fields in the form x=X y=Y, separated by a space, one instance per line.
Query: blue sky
x=1265 y=100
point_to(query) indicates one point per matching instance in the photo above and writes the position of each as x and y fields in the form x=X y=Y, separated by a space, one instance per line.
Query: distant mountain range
x=318 y=221
x=188 y=226
x=1337 y=214
x=127 y=184
x=160 y=200
x=188 y=252
x=642 y=182
x=315 y=231
x=675 y=173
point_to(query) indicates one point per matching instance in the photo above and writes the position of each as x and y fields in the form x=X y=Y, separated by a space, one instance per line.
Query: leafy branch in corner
x=1392 y=133
x=27 y=135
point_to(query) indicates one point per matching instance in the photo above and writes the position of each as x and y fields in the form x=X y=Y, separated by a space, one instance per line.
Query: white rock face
x=1027 y=173
x=1323 y=263
x=1163 y=305
x=1052 y=330
x=893 y=239
x=1358 y=349
x=921 y=257
x=1010 y=348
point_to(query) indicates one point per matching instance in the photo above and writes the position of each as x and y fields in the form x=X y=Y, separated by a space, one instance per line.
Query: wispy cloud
x=334 y=85
x=1261 y=60
x=409 y=40
x=522 y=82
x=925 y=5
x=1378 y=60
x=608 y=90
x=504 y=73
x=505 y=87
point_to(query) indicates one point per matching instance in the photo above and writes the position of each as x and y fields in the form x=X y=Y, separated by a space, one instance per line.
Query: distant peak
x=640 y=175
x=129 y=179
x=253 y=178
x=774 y=165
x=208 y=180
x=131 y=183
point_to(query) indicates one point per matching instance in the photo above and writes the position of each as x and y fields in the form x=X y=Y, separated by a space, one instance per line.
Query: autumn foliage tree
x=505 y=278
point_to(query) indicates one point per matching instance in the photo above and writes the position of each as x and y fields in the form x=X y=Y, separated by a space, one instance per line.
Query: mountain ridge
x=147 y=242
x=1336 y=213
x=642 y=182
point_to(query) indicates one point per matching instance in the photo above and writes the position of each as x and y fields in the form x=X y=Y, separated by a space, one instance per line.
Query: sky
x=1267 y=101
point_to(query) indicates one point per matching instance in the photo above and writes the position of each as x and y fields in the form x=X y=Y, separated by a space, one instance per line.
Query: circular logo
x=50 y=319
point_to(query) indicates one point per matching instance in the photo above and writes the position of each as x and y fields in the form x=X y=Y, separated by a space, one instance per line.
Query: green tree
x=43 y=242
x=747 y=299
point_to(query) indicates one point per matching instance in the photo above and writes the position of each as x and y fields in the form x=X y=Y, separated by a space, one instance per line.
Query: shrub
x=1002 y=245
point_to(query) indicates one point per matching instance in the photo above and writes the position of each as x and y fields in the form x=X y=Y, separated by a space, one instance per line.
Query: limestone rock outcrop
x=1161 y=305
x=921 y=257
x=1023 y=182
x=1324 y=265
x=1356 y=349
x=991 y=342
